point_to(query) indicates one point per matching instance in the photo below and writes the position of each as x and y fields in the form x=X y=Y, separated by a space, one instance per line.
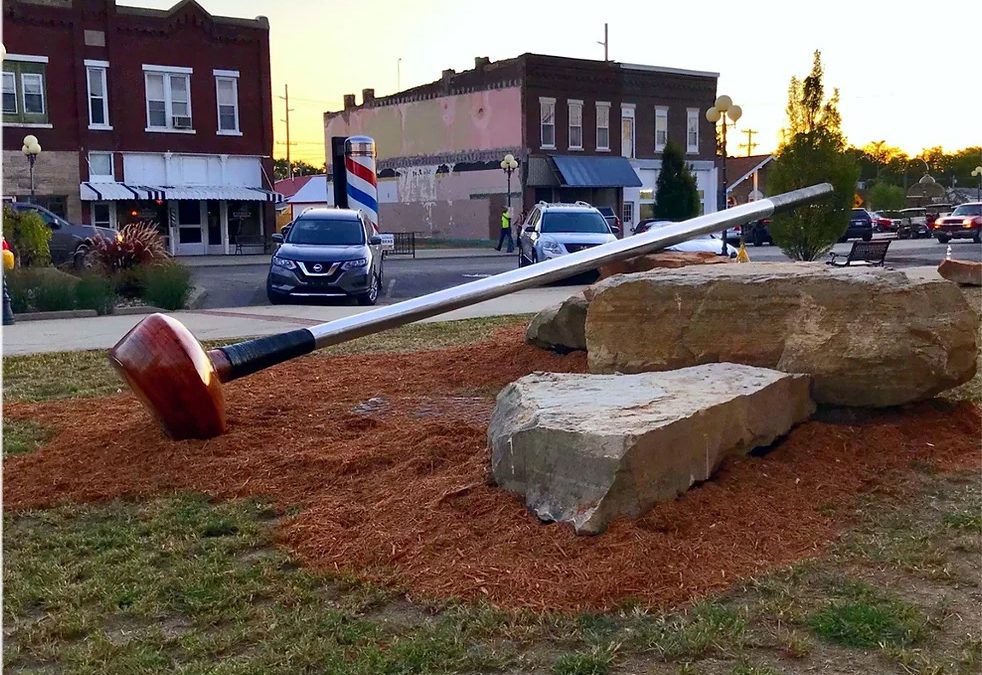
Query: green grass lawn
x=184 y=584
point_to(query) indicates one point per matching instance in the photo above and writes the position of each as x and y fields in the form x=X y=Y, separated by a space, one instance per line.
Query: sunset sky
x=913 y=79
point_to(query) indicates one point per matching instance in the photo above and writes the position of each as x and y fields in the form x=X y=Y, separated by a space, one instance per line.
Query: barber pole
x=361 y=183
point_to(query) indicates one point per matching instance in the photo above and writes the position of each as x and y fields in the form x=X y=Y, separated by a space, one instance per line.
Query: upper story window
x=692 y=130
x=101 y=167
x=24 y=90
x=168 y=98
x=575 y=125
x=603 y=125
x=661 y=128
x=227 y=94
x=95 y=72
x=627 y=130
x=547 y=122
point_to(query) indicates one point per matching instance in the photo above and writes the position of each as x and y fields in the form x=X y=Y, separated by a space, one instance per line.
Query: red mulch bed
x=396 y=491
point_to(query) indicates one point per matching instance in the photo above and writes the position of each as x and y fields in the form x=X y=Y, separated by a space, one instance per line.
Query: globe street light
x=508 y=165
x=31 y=149
x=725 y=108
x=977 y=171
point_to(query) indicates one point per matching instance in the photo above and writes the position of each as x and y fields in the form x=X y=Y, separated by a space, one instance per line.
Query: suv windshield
x=574 y=221
x=968 y=210
x=326 y=232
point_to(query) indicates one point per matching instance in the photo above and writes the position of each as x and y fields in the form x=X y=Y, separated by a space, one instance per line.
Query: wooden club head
x=170 y=372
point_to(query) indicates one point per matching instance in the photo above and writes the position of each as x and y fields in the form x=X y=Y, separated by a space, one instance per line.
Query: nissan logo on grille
x=318 y=267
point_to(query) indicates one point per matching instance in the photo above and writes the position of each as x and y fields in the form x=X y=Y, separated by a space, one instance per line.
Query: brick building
x=142 y=114
x=581 y=129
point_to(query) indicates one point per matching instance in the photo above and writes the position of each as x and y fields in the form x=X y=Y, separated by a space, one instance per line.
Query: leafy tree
x=281 y=169
x=815 y=152
x=676 y=194
x=27 y=234
x=886 y=196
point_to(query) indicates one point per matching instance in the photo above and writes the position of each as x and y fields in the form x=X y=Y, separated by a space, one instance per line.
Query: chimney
x=349 y=101
x=448 y=75
x=480 y=62
x=367 y=96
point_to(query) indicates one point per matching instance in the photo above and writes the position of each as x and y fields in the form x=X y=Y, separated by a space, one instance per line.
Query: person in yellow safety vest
x=505 y=231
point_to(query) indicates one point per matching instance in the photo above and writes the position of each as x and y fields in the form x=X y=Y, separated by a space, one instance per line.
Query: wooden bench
x=250 y=240
x=869 y=253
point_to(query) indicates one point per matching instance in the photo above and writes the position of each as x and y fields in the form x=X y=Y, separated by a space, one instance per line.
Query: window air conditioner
x=181 y=121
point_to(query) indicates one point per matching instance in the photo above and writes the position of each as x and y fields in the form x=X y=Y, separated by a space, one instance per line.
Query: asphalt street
x=238 y=286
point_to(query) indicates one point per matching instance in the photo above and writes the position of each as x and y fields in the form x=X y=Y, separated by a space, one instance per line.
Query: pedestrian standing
x=505 y=231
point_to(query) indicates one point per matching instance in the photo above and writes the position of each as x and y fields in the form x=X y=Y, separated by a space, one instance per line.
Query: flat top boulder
x=868 y=336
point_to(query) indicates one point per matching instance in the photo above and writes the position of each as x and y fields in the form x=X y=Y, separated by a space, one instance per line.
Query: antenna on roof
x=605 y=42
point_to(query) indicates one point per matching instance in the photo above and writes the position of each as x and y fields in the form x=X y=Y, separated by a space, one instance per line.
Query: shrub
x=139 y=244
x=95 y=292
x=42 y=289
x=167 y=286
x=28 y=235
x=128 y=283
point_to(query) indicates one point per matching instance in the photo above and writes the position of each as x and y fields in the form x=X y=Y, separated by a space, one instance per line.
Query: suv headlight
x=284 y=263
x=352 y=264
x=551 y=246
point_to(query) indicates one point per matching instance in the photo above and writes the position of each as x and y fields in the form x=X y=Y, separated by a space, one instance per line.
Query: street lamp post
x=508 y=165
x=721 y=110
x=31 y=150
x=977 y=171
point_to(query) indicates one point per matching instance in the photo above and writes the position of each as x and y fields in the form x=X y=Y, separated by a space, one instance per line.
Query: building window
x=627 y=214
x=24 y=93
x=228 y=104
x=692 y=130
x=101 y=167
x=627 y=130
x=547 y=122
x=168 y=99
x=575 y=125
x=98 y=96
x=9 y=93
x=103 y=214
x=661 y=128
x=603 y=125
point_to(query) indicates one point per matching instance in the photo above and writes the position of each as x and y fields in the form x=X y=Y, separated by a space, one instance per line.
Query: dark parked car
x=326 y=253
x=69 y=243
x=860 y=226
x=612 y=220
x=757 y=233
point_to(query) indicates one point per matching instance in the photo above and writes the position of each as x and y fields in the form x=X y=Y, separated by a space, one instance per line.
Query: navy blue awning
x=596 y=172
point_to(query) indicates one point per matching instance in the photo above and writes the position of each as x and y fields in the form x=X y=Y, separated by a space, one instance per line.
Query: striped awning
x=97 y=192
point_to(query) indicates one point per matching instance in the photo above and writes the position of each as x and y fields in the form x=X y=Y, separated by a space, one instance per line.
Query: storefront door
x=192 y=226
x=215 y=218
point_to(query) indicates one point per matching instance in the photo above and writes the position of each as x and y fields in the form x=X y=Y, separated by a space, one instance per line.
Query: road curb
x=61 y=314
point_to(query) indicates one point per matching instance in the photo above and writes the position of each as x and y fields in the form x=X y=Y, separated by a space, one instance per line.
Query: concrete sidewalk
x=421 y=254
x=103 y=332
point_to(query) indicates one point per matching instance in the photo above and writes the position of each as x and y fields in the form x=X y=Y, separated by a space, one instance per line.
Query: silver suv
x=326 y=252
x=553 y=230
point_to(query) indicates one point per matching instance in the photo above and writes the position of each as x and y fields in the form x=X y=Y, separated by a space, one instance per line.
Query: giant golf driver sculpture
x=180 y=383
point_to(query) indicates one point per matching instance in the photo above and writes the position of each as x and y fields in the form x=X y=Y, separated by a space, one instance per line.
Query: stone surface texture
x=868 y=337
x=560 y=327
x=661 y=260
x=586 y=449
x=962 y=272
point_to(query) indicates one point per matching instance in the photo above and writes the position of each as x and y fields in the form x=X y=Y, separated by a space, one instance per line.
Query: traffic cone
x=742 y=255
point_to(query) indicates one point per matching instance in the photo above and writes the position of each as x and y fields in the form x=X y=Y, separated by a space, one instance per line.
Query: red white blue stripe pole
x=362 y=184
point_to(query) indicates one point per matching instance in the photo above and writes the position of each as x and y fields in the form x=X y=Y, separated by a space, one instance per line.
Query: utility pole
x=286 y=99
x=605 y=43
x=749 y=145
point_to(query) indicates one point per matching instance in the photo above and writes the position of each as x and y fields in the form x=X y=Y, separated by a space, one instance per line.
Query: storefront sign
x=242 y=214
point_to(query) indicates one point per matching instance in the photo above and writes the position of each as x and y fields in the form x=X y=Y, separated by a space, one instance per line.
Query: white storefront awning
x=97 y=192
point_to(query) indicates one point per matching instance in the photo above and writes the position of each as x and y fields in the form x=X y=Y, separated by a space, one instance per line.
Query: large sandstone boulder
x=962 y=272
x=561 y=327
x=868 y=337
x=661 y=260
x=586 y=449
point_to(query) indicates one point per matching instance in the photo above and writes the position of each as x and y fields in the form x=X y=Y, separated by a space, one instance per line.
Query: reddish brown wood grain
x=169 y=371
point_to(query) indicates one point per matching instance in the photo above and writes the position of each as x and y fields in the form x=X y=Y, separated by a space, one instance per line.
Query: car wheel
x=867 y=237
x=758 y=239
x=977 y=238
x=371 y=297
x=82 y=260
x=943 y=238
x=277 y=298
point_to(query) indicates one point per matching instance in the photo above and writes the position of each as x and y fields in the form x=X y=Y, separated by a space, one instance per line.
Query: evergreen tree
x=815 y=152
x=676 y=195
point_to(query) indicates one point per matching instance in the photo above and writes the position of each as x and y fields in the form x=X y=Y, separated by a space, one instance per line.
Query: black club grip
x=254 y=355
